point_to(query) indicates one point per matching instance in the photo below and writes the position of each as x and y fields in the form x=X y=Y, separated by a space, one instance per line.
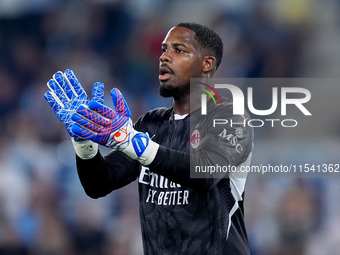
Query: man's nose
x=166 y=56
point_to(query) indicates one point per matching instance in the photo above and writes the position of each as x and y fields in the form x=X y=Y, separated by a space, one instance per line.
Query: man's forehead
x=180 y=34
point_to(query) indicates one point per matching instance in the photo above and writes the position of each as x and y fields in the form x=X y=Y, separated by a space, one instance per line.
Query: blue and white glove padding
x=65 y=96
x=113 y=128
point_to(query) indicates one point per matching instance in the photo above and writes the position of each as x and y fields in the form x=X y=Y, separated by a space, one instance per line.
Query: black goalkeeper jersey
x=180 y=214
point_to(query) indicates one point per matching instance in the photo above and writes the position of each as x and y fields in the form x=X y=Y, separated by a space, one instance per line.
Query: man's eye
x=180 y=50
x=163 y=50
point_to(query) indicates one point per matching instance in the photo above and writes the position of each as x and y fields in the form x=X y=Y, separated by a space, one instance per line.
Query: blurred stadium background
x=43 y=209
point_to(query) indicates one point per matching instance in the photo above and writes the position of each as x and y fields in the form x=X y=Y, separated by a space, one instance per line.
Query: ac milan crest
x=195 y=138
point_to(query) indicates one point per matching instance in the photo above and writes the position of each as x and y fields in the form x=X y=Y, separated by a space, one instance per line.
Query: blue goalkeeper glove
x=65 y=96
x=114 y=129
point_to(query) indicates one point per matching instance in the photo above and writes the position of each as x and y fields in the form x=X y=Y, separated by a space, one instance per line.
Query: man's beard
x=169 y=91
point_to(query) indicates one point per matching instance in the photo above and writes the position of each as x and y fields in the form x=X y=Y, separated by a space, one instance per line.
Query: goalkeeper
x=178 y=214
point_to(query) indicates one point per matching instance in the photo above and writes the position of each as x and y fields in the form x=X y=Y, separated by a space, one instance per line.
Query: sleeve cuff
x=149 y=154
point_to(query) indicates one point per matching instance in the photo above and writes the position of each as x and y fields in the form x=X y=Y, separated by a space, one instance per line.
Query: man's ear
x=208 y=64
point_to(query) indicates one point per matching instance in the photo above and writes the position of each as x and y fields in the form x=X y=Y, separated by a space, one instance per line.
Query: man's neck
x=183 y=105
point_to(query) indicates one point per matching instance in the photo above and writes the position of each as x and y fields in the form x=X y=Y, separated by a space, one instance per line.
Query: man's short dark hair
x=207 y=38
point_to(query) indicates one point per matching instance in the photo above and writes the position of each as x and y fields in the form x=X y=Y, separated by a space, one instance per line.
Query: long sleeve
x=215 y=149
x=180 y=154
x=101 y=175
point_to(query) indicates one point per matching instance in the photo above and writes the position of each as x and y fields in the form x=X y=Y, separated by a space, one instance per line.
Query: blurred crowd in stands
x=43 y=209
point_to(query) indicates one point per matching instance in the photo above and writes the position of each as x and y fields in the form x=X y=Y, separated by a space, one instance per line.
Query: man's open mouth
x=164 y=73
